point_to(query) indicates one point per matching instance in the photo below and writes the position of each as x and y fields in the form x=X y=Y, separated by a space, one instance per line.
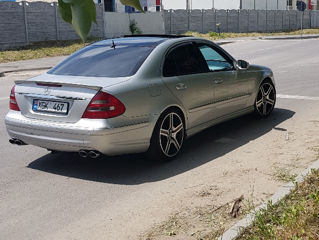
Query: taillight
x=102 y=106
x=13 y=101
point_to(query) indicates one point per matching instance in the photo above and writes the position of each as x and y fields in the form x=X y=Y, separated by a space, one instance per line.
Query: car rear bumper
x=86 y=134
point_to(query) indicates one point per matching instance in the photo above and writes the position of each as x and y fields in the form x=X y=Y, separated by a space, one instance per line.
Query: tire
x=168 y=137
x=265 y=100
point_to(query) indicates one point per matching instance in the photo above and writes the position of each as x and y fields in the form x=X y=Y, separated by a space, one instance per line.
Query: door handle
x=219 y=81
x=180 y=86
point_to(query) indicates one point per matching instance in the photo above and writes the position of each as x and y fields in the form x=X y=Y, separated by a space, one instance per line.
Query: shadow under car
x=137 y=169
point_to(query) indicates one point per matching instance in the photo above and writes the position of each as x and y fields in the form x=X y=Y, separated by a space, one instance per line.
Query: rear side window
x=104 y=61
x=182 y=60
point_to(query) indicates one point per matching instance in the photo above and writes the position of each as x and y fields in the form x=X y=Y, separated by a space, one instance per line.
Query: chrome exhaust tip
x=17 y=142
x=94 y=154
x=89 y=153
x=83 y=154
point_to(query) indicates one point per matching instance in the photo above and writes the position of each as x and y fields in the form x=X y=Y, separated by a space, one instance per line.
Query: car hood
x=102 y=82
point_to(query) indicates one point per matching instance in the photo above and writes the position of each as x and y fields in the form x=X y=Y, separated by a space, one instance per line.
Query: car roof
x=140 y=40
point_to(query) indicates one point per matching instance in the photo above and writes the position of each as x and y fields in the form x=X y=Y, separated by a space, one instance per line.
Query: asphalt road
x=61 y=196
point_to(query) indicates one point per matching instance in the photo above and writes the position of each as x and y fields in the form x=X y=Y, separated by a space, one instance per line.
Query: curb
x=236 y=229
x=290 y=38
x=2 y=74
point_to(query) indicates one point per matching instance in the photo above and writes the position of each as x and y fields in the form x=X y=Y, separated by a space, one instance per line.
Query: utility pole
x=213 y=7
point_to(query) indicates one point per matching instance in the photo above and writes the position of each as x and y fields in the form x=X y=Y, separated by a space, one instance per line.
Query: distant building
x=117 y=6
x=311 y=4
x=264 y=5
x=238 y=4
x=277 y=4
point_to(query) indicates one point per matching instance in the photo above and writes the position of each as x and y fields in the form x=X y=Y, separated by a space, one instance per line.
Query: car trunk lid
x=59 y=98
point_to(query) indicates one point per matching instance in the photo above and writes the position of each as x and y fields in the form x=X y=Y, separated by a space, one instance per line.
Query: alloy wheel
x=171 y=134
x=266 y=99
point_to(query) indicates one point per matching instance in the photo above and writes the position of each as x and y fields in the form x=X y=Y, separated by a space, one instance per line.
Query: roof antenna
x=113 y=44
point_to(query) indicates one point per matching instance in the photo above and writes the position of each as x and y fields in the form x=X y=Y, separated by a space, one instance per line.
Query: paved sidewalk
x=278 y=37
x=33 y=64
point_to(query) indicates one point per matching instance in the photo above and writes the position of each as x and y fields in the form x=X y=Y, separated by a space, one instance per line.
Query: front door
x=230 y=95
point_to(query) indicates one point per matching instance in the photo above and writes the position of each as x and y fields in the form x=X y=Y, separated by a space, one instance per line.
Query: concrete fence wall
x=204 y=21
x=117 y=24
x=24 y=22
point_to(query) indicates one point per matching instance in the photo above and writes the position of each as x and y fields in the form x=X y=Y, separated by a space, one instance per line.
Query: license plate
x=50 y=106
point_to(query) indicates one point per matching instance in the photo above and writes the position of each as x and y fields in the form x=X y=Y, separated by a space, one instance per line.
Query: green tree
x=81 y=14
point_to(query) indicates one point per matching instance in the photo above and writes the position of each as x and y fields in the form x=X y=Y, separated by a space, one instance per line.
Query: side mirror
x=242 y=64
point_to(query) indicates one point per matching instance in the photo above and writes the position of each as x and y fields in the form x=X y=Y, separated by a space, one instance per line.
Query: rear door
x=184 y=75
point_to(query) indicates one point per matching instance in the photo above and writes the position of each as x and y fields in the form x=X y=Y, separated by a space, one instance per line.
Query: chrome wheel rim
x=171 y=134
x=266 y=99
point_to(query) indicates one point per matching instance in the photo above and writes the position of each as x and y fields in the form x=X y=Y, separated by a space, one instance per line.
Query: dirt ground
x=255 y=169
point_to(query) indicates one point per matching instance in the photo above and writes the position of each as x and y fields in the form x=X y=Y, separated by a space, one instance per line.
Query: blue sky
x=202 y=4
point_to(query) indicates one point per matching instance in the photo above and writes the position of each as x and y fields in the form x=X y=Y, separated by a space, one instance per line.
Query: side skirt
x=203 y=126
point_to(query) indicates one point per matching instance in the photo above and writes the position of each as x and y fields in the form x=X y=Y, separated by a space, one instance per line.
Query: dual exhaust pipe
x=83 y=153
x=17 y=142
x=89 y=153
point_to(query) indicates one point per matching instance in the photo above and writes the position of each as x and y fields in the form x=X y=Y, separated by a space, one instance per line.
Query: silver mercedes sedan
x=136 y=94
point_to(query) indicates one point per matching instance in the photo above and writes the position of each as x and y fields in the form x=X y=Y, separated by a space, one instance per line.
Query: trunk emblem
x=47 y=91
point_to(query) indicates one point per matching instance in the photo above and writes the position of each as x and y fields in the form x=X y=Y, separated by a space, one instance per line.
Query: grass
x=42 y=49
x=295 y=217
x=216 y=36
x=283 y=174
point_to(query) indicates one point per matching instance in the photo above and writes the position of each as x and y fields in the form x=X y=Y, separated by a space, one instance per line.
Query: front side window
x=104 y=61
x=182 y=60
x=214 y=60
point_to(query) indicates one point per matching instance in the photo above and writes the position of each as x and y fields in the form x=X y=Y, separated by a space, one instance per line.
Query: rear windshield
x=104 y=61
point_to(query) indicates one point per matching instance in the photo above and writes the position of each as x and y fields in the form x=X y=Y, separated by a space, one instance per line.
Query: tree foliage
x=81 y=14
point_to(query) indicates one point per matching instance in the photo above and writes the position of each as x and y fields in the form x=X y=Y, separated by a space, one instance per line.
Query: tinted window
x=182 y=60
x=170 y=68
x=104 y=61
x=214 y=60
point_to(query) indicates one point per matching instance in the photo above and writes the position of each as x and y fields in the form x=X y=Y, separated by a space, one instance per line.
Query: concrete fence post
x=56 y=21
x=257 y=21
x=282 y=21
x=188 y=19
x=248 y=23
x=25 y=22
x=288 y=21
x=227 y=16
x=266 y=19
x=238 y=25
x=274 y=22
x=203 y=20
